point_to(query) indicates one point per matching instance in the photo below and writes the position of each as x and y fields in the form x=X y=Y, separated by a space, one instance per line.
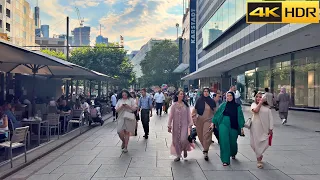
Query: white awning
x=182 y=67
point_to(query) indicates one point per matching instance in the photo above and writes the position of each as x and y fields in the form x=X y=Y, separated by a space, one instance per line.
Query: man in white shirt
x=113 y=105
x=191 y=95
x=159 y=98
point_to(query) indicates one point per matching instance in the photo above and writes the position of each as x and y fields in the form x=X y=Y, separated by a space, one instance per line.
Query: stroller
x=95 y=115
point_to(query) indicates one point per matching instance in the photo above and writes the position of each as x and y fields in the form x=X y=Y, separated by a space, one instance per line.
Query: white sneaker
x=284 y=121
x=125 y=150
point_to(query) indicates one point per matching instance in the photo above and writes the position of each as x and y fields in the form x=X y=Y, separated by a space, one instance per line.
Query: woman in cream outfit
x=125 y=127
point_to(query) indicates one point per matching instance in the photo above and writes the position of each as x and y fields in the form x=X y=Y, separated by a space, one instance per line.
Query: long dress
x=180 y=121
x=262 y=122
x=284 y=101
x=202 y=126
x=124 y=124
x=227 y=136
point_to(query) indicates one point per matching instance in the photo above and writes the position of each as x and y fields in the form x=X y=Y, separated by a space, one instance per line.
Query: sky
x=136 y=20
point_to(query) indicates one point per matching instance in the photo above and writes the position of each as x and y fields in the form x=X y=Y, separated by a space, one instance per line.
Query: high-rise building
x=101 y=40
x=37 y=17
x=81 y=36
x=63 y=36
x=132 y=54
x=253 y=57
x=56 y=42
x=38 y=32
x=45 y=31
x=16 y=20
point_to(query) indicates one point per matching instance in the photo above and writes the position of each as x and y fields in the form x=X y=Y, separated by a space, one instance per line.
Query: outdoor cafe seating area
x=31 y=124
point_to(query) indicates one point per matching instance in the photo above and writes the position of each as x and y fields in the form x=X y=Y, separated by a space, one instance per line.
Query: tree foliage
x=57 y=54
x=109 y=60
x=159 y=64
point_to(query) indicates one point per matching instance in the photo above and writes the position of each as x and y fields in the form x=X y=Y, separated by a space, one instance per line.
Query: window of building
x=17 y=4
x=0 y=23
x=24 y=10
x=8 y=27
x=9 y=1
x=228 y=14
x=8 y=13
x=282 y=73
x=24 y=23
x=0 y=8
x=24 y=35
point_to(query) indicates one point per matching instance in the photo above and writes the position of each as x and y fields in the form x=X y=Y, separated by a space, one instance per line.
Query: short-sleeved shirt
x=145 y=102
x=64 y=108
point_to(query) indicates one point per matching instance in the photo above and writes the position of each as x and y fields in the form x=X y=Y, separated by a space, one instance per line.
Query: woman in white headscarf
x=283 y=102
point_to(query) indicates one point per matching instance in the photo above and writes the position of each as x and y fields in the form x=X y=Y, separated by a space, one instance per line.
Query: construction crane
x=81 y=21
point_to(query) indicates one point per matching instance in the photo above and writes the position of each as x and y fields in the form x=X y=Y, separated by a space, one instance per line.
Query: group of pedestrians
x=226 y=120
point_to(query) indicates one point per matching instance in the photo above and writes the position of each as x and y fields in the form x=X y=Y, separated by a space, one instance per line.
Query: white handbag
x=248 y=122
x=129 y=116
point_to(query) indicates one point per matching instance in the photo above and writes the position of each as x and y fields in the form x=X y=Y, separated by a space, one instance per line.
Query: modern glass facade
x=228 y=14
x=298 y=72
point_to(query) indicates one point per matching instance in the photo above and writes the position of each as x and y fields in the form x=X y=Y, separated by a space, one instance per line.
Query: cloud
x=86 y=3
x=142 y=18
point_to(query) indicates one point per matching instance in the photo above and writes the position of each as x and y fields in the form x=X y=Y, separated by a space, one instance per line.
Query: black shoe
x=145 y=136
x=102 y=122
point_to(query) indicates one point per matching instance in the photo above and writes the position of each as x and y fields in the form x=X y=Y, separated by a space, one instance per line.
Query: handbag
x=248 y=122
x=129 y=116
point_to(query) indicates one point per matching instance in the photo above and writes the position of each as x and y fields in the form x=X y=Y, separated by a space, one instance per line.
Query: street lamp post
x=177 y=26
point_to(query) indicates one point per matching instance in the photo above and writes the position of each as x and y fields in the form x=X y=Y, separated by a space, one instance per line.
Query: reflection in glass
x=229 y=12
x=250 y=77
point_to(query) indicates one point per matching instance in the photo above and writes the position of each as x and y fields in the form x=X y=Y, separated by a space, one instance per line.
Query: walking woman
x=136 y=112
x=229 y=120
x=203 y=112
x=283 y=103
x=125 y=127
x=261 y=127
x=167 y=100
x=179 y=125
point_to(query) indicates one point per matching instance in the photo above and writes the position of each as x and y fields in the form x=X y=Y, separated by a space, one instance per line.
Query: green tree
x=159 y=64
x=57 y=54
x=109 y=60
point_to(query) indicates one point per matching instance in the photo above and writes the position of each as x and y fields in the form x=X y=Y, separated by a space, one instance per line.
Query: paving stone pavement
x=96 y=155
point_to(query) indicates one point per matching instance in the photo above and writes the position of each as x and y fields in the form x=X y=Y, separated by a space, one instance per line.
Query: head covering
x=283 y=90
x=231 y=110
x=200 y=104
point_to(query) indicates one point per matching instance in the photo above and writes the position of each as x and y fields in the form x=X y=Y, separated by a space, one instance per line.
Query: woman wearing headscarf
x=203 y=113
x=229 y=120
x=179 y=124
x=261 y=127
x=283 y=103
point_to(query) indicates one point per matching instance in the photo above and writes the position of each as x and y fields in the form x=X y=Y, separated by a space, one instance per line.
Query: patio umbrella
x=14 y=59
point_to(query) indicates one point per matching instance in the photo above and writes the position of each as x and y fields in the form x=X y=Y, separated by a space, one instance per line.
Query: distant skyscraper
x=101 y=40
x=63 y=36
x=81 y=36
x=38 y=32
x=37 y=16
x=45 y=30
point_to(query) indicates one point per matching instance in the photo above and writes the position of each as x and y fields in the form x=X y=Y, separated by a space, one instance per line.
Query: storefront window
x=282 y=73
x=317 y=78
x=250 y=78
x=263 y=74
x=304 y=76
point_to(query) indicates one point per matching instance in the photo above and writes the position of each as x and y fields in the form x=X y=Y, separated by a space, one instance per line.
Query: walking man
x=159 y=99
x=145 y=107
x=113 y=105
x=191 y=95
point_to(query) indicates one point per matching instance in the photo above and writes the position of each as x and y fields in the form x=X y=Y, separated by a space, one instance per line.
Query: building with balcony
x=256 y=56
x=16 y=20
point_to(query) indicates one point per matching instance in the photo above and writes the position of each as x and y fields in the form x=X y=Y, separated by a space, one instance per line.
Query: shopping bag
x=270 y=139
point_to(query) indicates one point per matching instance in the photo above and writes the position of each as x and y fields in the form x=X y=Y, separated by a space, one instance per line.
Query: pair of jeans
x=114 y=113
x=145 y=119
x=159 y=107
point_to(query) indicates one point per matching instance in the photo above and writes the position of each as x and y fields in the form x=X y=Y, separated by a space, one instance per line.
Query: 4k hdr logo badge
x=283 y=12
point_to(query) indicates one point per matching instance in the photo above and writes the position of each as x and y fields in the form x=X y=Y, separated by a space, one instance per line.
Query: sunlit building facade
x=256 y=56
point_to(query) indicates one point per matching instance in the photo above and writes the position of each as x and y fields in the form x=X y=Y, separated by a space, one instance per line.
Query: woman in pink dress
x=179 y=125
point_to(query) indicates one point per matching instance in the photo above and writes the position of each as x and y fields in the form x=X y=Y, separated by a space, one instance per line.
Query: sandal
x=177 y=159
x=260 y=165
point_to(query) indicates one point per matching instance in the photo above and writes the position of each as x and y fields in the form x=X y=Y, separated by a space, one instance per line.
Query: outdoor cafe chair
x=53 y=121
x=52 y=109
x=19 y=139
x=77 y=118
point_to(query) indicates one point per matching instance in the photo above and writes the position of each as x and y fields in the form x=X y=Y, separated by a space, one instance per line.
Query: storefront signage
x=193 y=35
